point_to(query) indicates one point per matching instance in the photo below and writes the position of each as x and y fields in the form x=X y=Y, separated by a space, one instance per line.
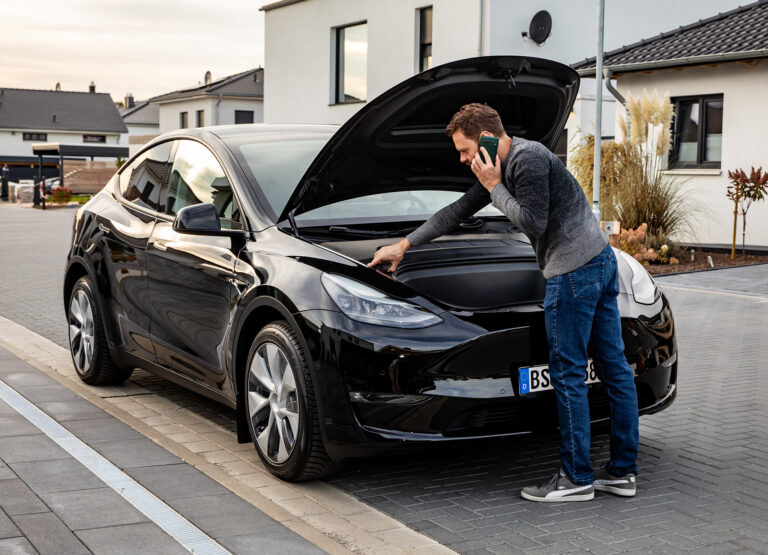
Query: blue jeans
x=581 y=306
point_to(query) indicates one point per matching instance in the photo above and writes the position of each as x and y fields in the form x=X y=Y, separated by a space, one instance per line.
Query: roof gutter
x=676 y=62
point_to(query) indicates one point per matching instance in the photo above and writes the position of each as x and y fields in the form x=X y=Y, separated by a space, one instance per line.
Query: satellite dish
x=541 y=27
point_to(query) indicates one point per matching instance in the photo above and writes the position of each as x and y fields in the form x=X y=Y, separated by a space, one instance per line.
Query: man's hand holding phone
x=486 y=165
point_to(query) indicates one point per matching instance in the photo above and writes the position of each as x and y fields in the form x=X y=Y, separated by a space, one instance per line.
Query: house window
x=351 y=63
x=35 y=136
x=201 y=118
x=183 y=120
x=698 y=132
x=425 y=38
x=243 y=116
x=94 y=138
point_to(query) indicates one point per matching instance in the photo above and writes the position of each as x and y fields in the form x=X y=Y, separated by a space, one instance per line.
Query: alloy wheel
x=273 y=402
x=81 y=331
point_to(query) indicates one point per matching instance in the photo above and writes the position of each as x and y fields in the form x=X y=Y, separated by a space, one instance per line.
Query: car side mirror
x=197 y=218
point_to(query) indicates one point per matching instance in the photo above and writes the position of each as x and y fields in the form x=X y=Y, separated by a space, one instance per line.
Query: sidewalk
x=51 y=503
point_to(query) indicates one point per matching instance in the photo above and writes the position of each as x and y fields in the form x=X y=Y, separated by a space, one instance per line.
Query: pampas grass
x=633 y=188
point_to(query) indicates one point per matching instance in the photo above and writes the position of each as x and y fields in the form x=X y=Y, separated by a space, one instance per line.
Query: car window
x=279 y=165
x=398 y=204
x=141 y=181
x=197 y=177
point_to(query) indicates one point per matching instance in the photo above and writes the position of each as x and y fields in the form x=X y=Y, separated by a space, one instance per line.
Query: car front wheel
x=87 y=339
x=281 y=406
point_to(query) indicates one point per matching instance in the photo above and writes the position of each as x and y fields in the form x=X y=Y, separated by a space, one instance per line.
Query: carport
x=62 y=150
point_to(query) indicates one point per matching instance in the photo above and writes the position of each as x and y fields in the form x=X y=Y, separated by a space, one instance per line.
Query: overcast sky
x=147 y=47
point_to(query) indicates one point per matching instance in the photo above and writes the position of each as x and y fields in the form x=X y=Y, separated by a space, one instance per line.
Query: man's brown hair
x=473 y=119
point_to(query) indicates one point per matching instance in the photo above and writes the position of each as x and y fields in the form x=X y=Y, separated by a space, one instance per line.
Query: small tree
x=743 y=191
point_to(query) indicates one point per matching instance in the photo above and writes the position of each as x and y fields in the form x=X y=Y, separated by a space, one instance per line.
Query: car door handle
x=105 y=229
x=159 y=245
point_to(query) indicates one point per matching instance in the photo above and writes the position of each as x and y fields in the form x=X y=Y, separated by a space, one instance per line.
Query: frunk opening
x=473 y=272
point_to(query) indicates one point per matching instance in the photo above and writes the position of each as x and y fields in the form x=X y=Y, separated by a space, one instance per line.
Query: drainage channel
x=180 y=529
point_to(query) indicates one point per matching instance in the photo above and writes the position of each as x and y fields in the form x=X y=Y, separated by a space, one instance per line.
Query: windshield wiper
x=360 y=232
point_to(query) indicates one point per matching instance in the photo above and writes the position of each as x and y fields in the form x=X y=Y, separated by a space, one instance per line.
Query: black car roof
x=258 y=130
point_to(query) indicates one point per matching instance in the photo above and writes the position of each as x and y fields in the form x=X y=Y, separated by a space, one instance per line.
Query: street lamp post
x=598 y=111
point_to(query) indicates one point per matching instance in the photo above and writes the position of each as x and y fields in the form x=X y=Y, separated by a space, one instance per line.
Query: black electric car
x=232 y=260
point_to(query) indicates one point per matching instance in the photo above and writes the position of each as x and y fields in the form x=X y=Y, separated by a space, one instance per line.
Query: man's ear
x=486 y=134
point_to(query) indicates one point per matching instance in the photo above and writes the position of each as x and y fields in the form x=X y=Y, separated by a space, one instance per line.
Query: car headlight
x=366 y=304
x=643 y=287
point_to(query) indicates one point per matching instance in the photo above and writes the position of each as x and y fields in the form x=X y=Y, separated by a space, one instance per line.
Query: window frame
x=129 y=165
x=253 y=117
x=30 y=136
x=200 y=118
x=183 y=120
x=244 y=221
x=337 y=89
x=90 y=138
x=700 y=163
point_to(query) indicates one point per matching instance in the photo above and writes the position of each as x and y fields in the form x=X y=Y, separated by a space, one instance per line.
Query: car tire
x=87 y=339
x=281 y=408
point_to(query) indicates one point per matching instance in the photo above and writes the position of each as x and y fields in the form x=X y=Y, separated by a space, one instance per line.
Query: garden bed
x=700 y=262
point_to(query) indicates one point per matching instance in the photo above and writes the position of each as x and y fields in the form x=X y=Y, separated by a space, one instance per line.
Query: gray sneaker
x=626 y=486
x=558 y=488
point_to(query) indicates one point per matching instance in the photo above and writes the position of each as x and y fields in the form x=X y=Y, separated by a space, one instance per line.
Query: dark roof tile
x=744 y=29
x=59 y=110
x=248 y=83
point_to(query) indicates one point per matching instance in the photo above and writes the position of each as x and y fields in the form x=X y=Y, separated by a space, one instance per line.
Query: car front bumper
x=457 y=382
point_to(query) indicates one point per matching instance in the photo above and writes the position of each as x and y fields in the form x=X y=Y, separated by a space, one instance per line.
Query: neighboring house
x=234 y=99
x=325 y=57
x=29 y=117
x=716 y=73
x=142 y=120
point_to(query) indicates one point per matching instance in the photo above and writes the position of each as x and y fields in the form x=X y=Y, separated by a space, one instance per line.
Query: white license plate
x=536 y=378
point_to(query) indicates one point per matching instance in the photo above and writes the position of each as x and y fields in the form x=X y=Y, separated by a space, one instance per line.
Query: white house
x=29 y=117
x=142 y=119
x=716 y=72
x=235 y=99
x=327 y=56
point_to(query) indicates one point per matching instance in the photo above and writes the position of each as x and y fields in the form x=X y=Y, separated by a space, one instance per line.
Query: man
x=537 y=193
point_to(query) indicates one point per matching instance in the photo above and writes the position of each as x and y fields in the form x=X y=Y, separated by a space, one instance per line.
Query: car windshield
x=278 y=166
x=398 y=205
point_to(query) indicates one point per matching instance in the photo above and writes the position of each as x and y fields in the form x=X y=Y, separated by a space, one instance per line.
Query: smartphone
x=491 y=144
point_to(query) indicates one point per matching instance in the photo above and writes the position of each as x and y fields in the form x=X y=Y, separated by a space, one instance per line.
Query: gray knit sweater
x=540 y=197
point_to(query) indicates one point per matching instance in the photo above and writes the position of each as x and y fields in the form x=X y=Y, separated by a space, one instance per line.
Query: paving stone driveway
x=703 y=486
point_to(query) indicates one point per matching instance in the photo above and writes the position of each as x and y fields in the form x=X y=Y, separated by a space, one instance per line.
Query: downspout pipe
x=216 y=110
x=608 y=73
x=480 y=30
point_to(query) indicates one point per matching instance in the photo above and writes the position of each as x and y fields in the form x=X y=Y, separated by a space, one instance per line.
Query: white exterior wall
x=138 y=135
x=298 y=85
x=226 y=110
x=170 y=113
x=223 y=114
x=135 y=129
x=745 y=119
x=299 y=43
x=12 y=143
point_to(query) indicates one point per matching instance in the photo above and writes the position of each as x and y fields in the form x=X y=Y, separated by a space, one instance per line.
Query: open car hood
x=397 y=141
